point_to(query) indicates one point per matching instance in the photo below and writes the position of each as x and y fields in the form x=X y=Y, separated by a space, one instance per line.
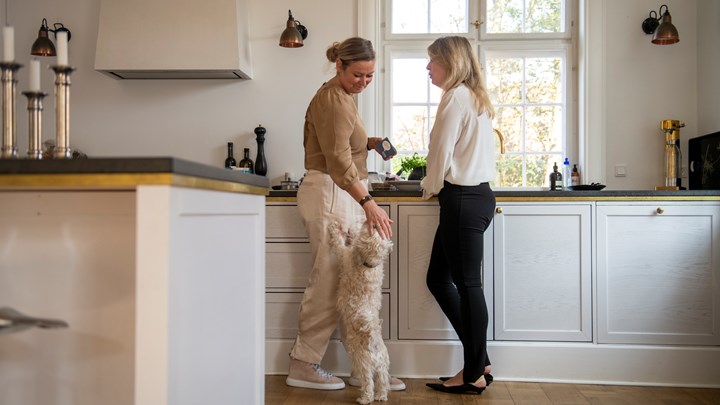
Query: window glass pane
x=409 y=80
x=410 y=127
x=409 y=16
x=508 y=120
x=448 y=16
x=504 y=16
x=429 y=16
x=524 y=16
x=509 y=171
x=543 y=132
x=505 y=80
x=538 y=169
x=543 y=80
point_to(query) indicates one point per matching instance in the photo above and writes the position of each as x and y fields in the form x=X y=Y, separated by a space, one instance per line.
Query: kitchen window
x=525 y=48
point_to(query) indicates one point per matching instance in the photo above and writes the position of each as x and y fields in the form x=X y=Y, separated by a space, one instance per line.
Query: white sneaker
x=396 y=384
x=308 y=375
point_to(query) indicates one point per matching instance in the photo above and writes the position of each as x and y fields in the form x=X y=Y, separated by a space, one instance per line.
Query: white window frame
x=374 y=102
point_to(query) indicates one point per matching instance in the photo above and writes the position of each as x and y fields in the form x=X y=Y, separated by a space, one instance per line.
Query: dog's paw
x=364 y=400
x=381 y=397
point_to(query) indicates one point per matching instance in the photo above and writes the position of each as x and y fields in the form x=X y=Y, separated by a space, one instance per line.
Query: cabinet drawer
x=284 y=222
x=288 y=265
x=281 y=315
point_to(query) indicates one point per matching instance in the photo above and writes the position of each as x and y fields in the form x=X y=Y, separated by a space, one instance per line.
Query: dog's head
x=369 y=248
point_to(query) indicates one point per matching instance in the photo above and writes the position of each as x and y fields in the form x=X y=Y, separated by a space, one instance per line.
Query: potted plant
x=414 y=166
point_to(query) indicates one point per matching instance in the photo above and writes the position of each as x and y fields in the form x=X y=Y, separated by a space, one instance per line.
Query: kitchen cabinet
x=542 y=272
x=420 y=317
x=560 y=268
x=658 y=272
x=289 y=262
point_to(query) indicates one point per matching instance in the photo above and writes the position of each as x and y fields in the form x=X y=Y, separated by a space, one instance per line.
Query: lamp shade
x=294 y=33
x=666 y=33
x=43 y=46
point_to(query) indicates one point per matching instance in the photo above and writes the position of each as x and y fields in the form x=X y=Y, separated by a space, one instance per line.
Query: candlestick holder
x=9 y=83
x=62 y=111
x=34 y=107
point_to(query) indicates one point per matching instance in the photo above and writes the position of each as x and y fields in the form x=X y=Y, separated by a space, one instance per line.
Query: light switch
x=620 y=171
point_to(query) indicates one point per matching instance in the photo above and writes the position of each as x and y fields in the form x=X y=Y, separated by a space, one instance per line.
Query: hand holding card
x=385 y=149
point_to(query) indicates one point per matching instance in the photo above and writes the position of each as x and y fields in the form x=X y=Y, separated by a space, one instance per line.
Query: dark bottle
x=246 y=164
x=230 y=160
x=556 y=179
x=260 y=162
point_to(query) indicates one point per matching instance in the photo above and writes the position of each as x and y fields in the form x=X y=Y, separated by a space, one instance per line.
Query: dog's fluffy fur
x=361 y=256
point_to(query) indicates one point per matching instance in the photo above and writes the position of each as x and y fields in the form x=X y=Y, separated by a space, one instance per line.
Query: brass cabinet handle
x=660 y=210
x=498 y=210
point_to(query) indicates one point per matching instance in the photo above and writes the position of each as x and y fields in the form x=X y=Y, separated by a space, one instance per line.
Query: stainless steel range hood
x=171 y=39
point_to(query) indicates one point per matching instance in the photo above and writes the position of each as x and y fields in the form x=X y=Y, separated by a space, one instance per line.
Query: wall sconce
x=43 y=46
x=294 y=34
x=663 y=30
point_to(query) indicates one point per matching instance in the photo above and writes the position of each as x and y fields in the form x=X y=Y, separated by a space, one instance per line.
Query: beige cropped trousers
x=321 y=203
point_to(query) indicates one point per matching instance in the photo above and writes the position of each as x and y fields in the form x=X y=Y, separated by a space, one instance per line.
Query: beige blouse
x=335 y=139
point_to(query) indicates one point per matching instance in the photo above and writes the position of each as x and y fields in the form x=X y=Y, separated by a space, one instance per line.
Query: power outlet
x=620 y=170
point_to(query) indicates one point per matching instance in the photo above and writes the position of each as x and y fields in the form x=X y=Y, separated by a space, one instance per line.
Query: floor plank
x=500 y=393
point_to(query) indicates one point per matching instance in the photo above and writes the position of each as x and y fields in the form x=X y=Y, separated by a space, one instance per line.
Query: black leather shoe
x=488 y=378
x=457 y=389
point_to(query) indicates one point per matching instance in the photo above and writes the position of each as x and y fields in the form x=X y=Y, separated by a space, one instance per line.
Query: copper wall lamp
x=661 y=28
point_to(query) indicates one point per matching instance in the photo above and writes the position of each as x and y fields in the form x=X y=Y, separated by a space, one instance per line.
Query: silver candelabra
x=62 y=111
x=7 y=77
x=34 y=107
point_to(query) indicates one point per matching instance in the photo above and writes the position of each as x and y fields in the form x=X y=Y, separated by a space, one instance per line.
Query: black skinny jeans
x=454 y=275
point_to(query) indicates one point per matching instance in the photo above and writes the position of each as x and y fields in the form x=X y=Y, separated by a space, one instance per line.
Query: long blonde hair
x=457 y=56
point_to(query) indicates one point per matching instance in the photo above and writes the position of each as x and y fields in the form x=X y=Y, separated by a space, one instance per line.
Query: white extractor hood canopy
x=174 y=39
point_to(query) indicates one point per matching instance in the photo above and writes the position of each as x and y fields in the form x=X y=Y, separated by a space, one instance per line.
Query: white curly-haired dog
x=361 y=256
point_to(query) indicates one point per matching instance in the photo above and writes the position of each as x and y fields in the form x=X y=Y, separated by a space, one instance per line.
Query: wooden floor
x=505 y=393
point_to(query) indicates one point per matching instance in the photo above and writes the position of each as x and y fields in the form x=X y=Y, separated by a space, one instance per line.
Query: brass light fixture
x=662 y=28
x=294 y=34
x=43 y=46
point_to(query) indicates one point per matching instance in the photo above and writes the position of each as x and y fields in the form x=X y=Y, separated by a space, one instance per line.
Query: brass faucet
x=502 y=140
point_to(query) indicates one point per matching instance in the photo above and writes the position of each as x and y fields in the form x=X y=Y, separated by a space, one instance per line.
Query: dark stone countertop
x=136 y=165
x=546 y=194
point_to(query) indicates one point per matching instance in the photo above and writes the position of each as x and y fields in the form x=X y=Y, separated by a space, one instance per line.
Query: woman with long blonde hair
x=460 y=163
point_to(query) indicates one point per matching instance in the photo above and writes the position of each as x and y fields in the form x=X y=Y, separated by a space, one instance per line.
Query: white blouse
x=462 y=144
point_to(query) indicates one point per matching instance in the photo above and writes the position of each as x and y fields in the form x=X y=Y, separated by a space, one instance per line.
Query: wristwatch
x=365 y=199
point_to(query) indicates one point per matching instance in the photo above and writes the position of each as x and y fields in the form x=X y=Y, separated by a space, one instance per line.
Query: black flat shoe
x=488 y=378
x=457 y=389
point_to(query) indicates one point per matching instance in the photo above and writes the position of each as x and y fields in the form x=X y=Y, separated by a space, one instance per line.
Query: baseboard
x=581 y=363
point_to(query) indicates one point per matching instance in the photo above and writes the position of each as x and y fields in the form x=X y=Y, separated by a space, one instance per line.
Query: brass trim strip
x=120 y=181
x=540 y=199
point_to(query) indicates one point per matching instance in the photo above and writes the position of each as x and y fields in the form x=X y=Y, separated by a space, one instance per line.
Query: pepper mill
x=260 y=162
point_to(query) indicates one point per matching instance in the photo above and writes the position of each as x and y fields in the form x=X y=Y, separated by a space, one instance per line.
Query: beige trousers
x=321 y=204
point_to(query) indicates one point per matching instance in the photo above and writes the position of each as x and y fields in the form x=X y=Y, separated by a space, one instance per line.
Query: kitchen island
x=156 y=264
x=609 y=287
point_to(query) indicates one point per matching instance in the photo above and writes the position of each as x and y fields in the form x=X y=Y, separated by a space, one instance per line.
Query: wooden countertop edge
x=119 y=181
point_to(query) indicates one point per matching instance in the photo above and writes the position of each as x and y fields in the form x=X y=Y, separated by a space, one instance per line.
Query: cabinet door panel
x=542 y=273
x=659 y=274
x=282 y=315
x=420 y=316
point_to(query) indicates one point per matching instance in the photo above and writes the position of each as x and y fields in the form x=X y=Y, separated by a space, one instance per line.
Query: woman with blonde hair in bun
x=334 y=190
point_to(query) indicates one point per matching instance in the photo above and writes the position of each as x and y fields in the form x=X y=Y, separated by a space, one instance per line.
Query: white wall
x=708 y=63
x=190 y=119
x=642 y=84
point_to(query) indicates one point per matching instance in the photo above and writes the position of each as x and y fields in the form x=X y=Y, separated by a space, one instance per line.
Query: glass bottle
x=556 y=179
x=260 y=162
x=246 y=164
x=229 y=160
x=575 y=176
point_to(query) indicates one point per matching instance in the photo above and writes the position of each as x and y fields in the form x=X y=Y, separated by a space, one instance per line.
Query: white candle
x=34 y=75
x=62 y=48
x=8 y=44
